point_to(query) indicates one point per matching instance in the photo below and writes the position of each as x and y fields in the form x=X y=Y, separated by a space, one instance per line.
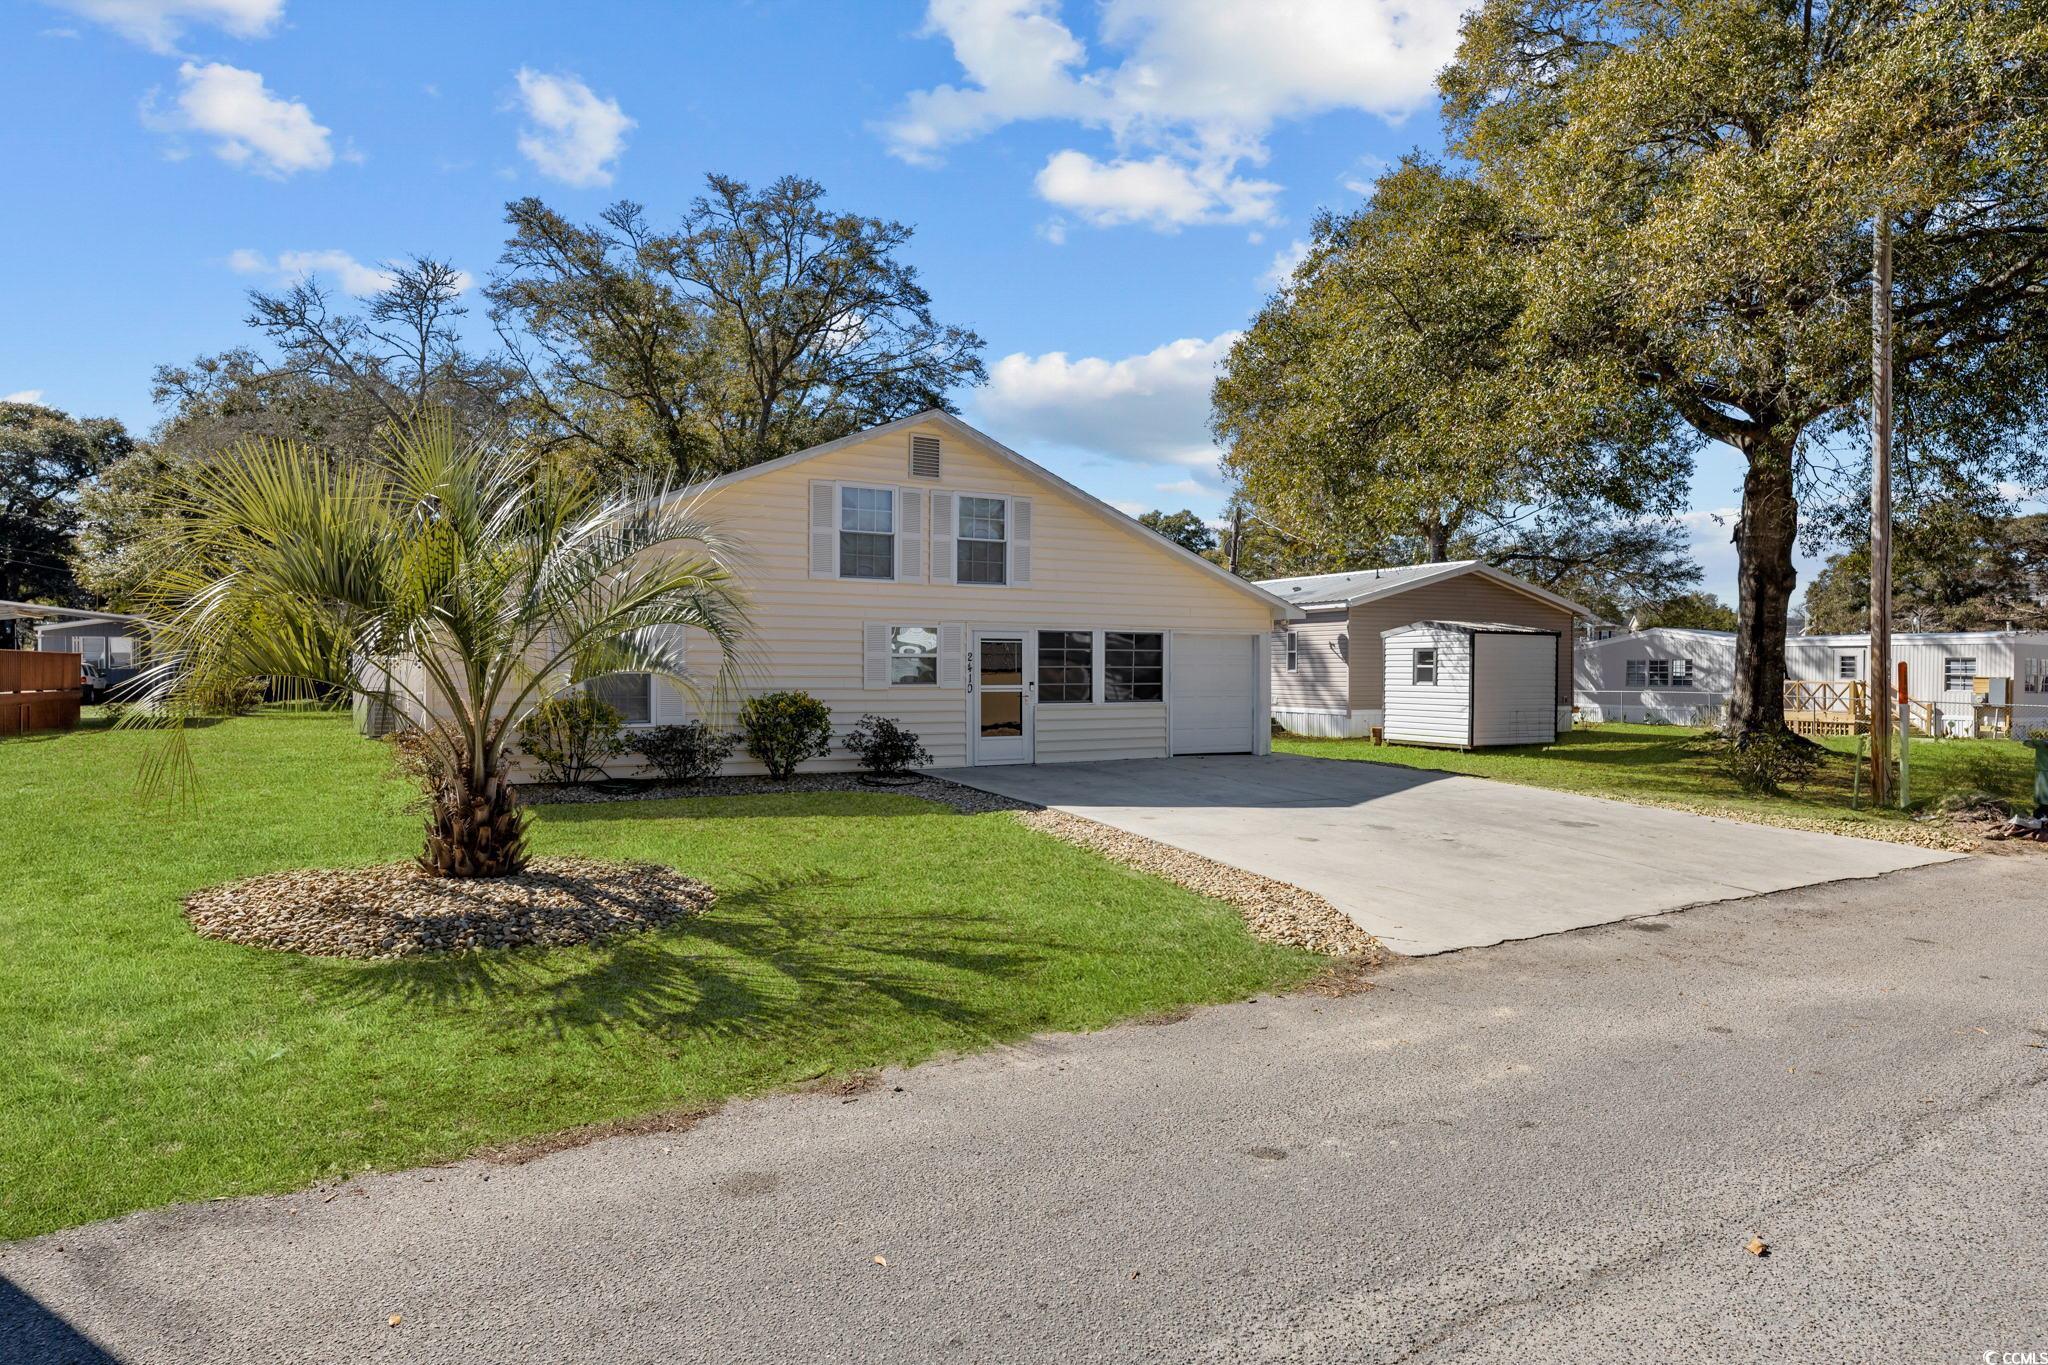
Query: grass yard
x=141 y=1064
x=1667 y=763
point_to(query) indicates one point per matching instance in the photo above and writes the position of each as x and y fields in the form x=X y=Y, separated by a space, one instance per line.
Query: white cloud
x=1158 y=191
x=1151 y=408
x=1201 y=81
x=352 y=275
x=1363 y=173
x=1284 y=261
x=251 y=127
x=158 y=24
x=24 y=396
x=1189 y=488
x=1133 y=510
x=574 y=134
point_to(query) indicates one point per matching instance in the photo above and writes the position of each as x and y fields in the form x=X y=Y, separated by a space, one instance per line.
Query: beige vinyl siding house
x=1336 y=682
x=927 y=573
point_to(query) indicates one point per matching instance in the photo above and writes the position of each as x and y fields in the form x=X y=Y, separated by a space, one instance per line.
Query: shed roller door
x=1211 y=685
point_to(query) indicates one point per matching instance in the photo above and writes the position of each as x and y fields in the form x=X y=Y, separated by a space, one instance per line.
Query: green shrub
x=1764 y=764
x=571 y=736
x=782 y=729
x=685 y=753
x=238 y=697
x=886 y=748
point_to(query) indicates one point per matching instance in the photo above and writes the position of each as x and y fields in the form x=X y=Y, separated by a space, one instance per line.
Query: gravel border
x=1273 y=911
x=396 y=910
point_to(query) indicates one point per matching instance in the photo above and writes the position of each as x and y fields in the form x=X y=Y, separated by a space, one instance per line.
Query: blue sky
x=1102 y=188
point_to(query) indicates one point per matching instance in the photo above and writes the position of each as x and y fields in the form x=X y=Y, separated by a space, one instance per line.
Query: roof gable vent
x=924 y=457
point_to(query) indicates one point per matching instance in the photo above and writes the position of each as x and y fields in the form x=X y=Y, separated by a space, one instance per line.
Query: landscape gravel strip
x=1918 y=834
x=396 y=910
x=1274 y=911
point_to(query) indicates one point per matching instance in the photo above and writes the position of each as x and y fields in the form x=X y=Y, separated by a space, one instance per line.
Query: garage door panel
x=1211 y=693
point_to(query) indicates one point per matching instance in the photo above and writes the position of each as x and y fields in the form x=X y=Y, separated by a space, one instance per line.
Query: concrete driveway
x=1432 y=862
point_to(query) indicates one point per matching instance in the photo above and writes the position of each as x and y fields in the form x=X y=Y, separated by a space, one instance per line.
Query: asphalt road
x=1552 y=1150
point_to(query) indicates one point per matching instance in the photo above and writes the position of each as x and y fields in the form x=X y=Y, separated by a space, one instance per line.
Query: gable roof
x=1366 y=585
x=1029 y=468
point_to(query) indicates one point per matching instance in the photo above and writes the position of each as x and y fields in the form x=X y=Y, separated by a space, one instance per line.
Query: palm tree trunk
x=475 y=828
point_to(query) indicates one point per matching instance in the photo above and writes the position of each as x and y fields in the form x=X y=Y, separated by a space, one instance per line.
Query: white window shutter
x=909 y=535
x=1020 y=540
x=952 y=648
x=943 y=528
x=874 y=649
x=824 y=531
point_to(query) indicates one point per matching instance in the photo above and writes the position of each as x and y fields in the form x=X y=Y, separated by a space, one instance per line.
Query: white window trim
x=839 y=531
x=936 y=651
x=1293 y=653
x=1008 y=542
x=1948 y=672
x=1415 y=666
x=1681 y=673
x=1094 y=665
x=1102 y=666
x=647 y=681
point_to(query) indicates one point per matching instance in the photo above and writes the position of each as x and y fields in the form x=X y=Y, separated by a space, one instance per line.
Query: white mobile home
x=1471 y=684
x=1970 y=681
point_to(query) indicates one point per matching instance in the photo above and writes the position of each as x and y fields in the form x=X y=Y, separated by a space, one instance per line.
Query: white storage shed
x=1471 y=684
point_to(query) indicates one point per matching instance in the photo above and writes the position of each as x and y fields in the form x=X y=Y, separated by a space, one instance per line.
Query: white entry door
x=1000 y=707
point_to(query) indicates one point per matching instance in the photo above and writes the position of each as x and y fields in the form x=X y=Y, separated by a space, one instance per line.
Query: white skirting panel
x=1328 y=724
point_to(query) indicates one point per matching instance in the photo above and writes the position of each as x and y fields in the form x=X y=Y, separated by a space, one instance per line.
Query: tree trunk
x=1764 y=540
x=1437 y=538
x=475 y=828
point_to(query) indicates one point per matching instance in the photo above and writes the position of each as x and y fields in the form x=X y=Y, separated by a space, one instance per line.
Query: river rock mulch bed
x=396 y=910
x=1274 y=911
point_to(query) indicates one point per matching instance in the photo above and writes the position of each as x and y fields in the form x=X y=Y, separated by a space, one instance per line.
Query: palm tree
x=464 y=579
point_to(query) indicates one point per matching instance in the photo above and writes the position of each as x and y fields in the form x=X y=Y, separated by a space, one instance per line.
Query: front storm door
x=1000 y=705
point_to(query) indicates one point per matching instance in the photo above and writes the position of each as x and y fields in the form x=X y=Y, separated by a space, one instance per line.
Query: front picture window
x=1133 y=666
x=867 y=533
x=913 y=656
x=1066 y=665
x=983 y=547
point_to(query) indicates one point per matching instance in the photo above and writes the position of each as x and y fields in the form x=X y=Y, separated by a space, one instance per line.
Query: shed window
x=983 y=547
x=867 y=533
x=1848 y=667
x=630 y=694
x=913 y=656
x=1958 y=673
x=1293 y=653
x=1424 y=670
x=1066 y=665
x=1133 y=666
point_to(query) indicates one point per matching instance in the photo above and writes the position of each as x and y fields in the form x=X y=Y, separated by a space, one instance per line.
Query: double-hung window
x=1681 y=672
x=1659 y=672
x=913 y=656
x=983 y=546
x=1638 y=673
x=1958 y=673
x=1066 y=665
x=1133 y=666
x=1422 y=672
x=1293 y=653
x=867 y=532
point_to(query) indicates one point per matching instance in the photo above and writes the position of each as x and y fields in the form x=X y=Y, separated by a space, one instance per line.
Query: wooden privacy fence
x=39 y=690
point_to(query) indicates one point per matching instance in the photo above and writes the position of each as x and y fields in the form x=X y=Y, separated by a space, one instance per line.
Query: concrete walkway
x=1432 y=862
x=1553 y=1151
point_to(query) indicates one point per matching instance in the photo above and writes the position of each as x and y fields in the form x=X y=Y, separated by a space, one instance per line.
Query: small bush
x=689 y=752
x=239 y=697
x=886 y=748
x=571 y=736
x=782 y=729
x=1764 y=764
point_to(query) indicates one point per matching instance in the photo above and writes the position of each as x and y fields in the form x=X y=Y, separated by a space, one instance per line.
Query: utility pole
x=1881 y=513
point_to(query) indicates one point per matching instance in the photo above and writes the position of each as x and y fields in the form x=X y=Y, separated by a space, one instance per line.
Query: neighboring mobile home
x=925 y=572
x=1330 y=668
x=1683 y=677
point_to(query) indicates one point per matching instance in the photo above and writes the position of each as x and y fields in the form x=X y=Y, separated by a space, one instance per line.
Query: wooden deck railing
x=39 y=690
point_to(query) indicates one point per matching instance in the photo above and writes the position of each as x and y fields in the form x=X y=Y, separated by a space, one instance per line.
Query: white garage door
x=1211 y=684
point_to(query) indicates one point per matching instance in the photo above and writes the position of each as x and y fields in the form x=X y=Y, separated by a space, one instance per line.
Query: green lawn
x=1672 y=764
x=140 y=1064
